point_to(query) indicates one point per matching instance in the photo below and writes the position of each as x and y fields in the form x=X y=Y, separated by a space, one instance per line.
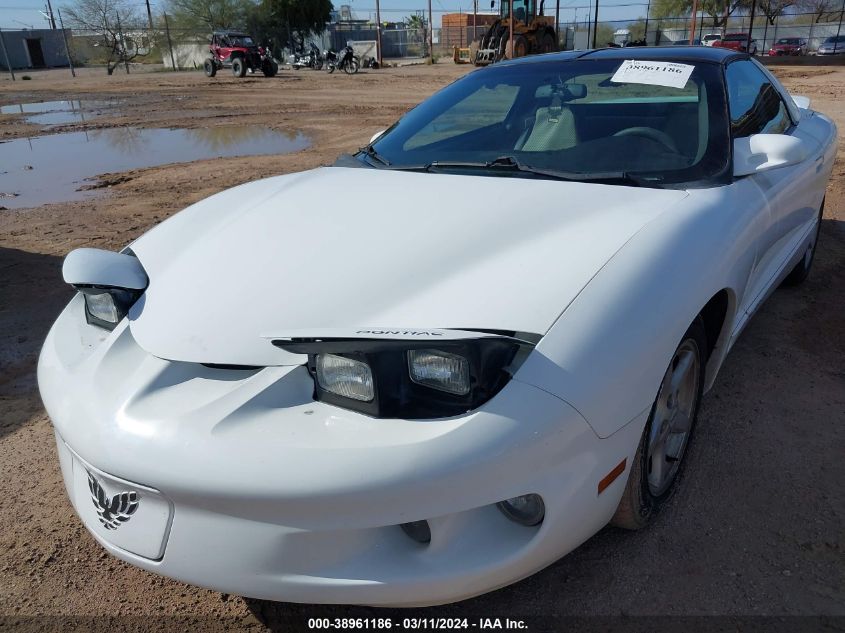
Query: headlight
x=110 y=282
x=345 y=377
x=106 y=307
x=410 y=379
x=439 y=370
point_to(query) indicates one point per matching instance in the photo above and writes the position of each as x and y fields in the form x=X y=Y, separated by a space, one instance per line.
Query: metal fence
x=187 y=48
x=667 y=31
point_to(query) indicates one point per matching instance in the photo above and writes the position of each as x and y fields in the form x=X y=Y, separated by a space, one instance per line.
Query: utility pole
x=750 y=28
x=595 y=23
x=430 y=33
x=67 y=48
x=510 y=30
x=692 y=21
x=6 y=55
x=557 y=25
x=150 y=17
x=169 y=42
x=589 y=25
x=475 y=20
x=645 y=31
x=839 y=28
x=52 y=18
x=378 y=33
x=122 y=44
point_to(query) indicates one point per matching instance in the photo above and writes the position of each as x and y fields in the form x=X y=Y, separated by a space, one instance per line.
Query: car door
x=757 y=106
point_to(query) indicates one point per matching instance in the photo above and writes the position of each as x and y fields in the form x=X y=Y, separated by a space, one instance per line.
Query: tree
x=209 y=15
x=415 y=22
x=289 y=21
x=773 y=8
x=820 y=9
x=718 y=10
x=117 y=24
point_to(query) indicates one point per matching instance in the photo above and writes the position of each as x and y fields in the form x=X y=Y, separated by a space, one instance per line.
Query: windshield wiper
x=510 y=163
x=371 y=152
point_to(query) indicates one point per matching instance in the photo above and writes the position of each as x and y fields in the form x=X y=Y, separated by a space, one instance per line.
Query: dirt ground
x=758 y=526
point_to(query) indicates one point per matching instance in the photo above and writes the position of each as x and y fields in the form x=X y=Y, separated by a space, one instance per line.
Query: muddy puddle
x=60 y=112
x=53 y=168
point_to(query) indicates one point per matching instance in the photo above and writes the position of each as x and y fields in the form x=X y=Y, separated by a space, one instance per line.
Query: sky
x=19 y=14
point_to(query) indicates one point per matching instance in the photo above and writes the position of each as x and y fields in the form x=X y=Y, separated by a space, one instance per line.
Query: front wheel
x=664 y=442
x=210 y=68
x=547 y=44
x=351 y=67
x=269 y=68
x=238 y=67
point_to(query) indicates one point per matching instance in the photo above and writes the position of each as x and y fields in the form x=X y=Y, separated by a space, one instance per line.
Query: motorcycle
x=345 y=60
x=311 y=59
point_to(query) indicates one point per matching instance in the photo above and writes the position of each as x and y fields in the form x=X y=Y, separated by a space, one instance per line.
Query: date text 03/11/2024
x=411 y=624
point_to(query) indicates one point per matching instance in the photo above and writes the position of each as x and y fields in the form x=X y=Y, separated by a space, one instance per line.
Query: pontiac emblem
x=115 y=511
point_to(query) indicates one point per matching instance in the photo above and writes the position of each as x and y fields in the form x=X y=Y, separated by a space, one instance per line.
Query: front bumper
x=272 y=495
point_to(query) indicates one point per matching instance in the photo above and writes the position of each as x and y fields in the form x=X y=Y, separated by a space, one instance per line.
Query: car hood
x=340 y=249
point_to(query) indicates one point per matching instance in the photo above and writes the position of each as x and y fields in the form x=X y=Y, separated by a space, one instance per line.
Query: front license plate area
x=127 y=515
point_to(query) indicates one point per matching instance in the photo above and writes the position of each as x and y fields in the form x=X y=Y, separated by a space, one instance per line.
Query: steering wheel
x=651 y=133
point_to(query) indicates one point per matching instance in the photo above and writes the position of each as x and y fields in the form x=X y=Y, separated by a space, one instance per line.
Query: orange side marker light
x=612 y=475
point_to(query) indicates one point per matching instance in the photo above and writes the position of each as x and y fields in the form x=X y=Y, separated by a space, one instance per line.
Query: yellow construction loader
x=532 y=33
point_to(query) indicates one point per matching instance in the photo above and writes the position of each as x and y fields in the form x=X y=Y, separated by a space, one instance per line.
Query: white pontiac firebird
x=443 y=363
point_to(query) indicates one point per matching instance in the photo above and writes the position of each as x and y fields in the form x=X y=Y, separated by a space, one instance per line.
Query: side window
x=755 y=105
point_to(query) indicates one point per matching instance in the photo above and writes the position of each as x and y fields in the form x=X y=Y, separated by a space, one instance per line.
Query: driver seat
x=553 y=130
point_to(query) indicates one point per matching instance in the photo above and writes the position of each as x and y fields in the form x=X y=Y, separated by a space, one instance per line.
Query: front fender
x=608 y=351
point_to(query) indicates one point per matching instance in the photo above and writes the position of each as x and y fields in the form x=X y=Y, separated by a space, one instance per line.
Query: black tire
x=639 y=503
x=210 y=67
x=351 y=67
x=547 y=43
x=269 y=68
x=238 y=67
x=802 y=269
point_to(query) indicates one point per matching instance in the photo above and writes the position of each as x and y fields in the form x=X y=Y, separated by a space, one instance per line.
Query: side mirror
x=86 y=267
x=801 y=101
x=762 y=152
x=376 y=135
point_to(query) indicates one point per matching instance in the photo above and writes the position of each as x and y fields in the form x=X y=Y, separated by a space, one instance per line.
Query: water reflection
x=55 y=112
x=51 y=168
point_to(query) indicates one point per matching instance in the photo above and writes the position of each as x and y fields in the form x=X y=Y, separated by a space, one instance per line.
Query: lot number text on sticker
x=667 y=74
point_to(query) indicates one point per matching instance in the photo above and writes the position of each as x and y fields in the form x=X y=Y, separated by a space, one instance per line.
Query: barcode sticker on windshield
x=637 y=71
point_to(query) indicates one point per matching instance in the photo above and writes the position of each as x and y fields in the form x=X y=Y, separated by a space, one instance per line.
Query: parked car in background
x=695 y=42
x=834 y=45
x=788 y=46
x=737 y=42
x=710 y=38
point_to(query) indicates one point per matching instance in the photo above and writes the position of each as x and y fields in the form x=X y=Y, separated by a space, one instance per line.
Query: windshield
x=243 y=41
x=833 y=39
x=789 y=41
x=736 y=37
x=568 y=116
x=522 y=9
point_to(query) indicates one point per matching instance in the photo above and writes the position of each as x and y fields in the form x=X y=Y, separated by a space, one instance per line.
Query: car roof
x=652 y=53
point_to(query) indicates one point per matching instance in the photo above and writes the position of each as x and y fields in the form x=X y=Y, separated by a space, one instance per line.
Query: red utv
x=238 y=51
